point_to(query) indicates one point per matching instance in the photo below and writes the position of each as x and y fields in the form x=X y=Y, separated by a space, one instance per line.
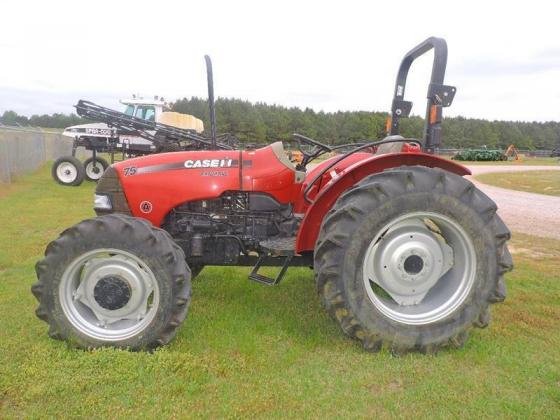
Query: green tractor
x=480 y=155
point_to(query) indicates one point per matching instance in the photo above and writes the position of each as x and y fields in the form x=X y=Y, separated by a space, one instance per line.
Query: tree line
x=55 y=120
x=263 y=123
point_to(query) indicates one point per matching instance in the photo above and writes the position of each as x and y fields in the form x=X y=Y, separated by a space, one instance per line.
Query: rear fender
x=324 y=201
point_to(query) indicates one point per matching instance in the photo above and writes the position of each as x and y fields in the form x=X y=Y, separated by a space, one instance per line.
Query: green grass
x=541 y=182
x=249 y=350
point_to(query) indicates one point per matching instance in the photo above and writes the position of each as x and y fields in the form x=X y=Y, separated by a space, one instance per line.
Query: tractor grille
x=110 y=185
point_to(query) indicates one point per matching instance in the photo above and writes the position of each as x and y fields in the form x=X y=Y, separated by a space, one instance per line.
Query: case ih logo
x=187 y=164
x=146 y=207
x=209 y=163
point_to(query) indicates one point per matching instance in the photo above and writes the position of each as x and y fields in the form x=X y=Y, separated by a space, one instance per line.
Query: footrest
x=269 y=281
x=259 y=278
x=280 y=246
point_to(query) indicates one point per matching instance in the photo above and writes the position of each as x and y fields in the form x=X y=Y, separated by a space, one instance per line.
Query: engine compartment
x=217 y=231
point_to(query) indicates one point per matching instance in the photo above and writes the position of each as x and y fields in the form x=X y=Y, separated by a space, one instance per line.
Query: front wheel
x=411 y=258
x=94 y=171
x=68 y=170
x=113 y=281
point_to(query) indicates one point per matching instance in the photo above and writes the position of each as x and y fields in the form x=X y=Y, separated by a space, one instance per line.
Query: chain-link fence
x=23 y=150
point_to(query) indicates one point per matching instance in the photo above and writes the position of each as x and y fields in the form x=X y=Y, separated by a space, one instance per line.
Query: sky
x=504 y=57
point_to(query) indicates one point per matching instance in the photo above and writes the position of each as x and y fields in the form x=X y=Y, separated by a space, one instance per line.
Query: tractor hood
x=155 y=184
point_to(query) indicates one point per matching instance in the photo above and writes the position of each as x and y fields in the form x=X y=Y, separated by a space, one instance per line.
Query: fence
x=23 y=150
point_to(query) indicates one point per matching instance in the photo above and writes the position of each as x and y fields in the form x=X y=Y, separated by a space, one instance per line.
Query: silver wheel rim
x=109 y=294
x=94 y=171
x=420 y=268
x=66 y=172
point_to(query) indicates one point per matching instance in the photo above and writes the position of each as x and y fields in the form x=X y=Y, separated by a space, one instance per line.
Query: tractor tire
x=94 y=172
x=113 y=280
x=410 y=259
x=68 y=170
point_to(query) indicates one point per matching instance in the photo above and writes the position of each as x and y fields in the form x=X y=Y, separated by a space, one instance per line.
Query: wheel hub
x=408 y=261
x=112 y=292
x=94 y=171
x=66 y=172
x=413 y=264
x=419 y=268
x=109 y=294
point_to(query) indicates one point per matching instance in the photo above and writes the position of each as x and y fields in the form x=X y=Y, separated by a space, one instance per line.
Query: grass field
x=249 y=350
x=542 y=182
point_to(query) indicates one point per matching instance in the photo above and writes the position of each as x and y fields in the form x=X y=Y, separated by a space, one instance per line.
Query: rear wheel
x=113 y=281
x=68 y=170
x=411 y=258
x=94 y=171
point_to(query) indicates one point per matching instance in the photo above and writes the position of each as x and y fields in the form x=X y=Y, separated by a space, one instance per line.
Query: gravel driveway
x=534 y=214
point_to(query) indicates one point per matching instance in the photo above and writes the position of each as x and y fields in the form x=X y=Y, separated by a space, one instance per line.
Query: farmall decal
x=208 y=163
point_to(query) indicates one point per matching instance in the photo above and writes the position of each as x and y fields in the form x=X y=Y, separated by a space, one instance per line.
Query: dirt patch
x=4 y=189
x=533 y=214
x=532 y=253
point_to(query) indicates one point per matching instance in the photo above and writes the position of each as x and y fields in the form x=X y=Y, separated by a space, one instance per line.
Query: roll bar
x=439 y=95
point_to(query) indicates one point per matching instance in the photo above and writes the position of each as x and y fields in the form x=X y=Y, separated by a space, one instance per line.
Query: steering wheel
x=316 y=150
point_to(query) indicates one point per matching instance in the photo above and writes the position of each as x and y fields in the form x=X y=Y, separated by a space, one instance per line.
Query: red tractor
x=407 y=253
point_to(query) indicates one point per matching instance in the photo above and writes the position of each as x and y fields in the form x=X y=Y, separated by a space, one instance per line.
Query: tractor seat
x=278 y=149
x=383 y=149
x=280 y=153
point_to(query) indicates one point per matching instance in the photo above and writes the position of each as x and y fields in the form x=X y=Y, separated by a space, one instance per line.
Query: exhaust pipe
x=211 y=100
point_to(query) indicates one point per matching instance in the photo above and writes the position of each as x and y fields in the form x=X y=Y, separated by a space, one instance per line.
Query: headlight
x=102 y=202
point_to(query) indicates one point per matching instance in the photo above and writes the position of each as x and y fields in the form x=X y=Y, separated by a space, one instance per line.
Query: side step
x=281 y=247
